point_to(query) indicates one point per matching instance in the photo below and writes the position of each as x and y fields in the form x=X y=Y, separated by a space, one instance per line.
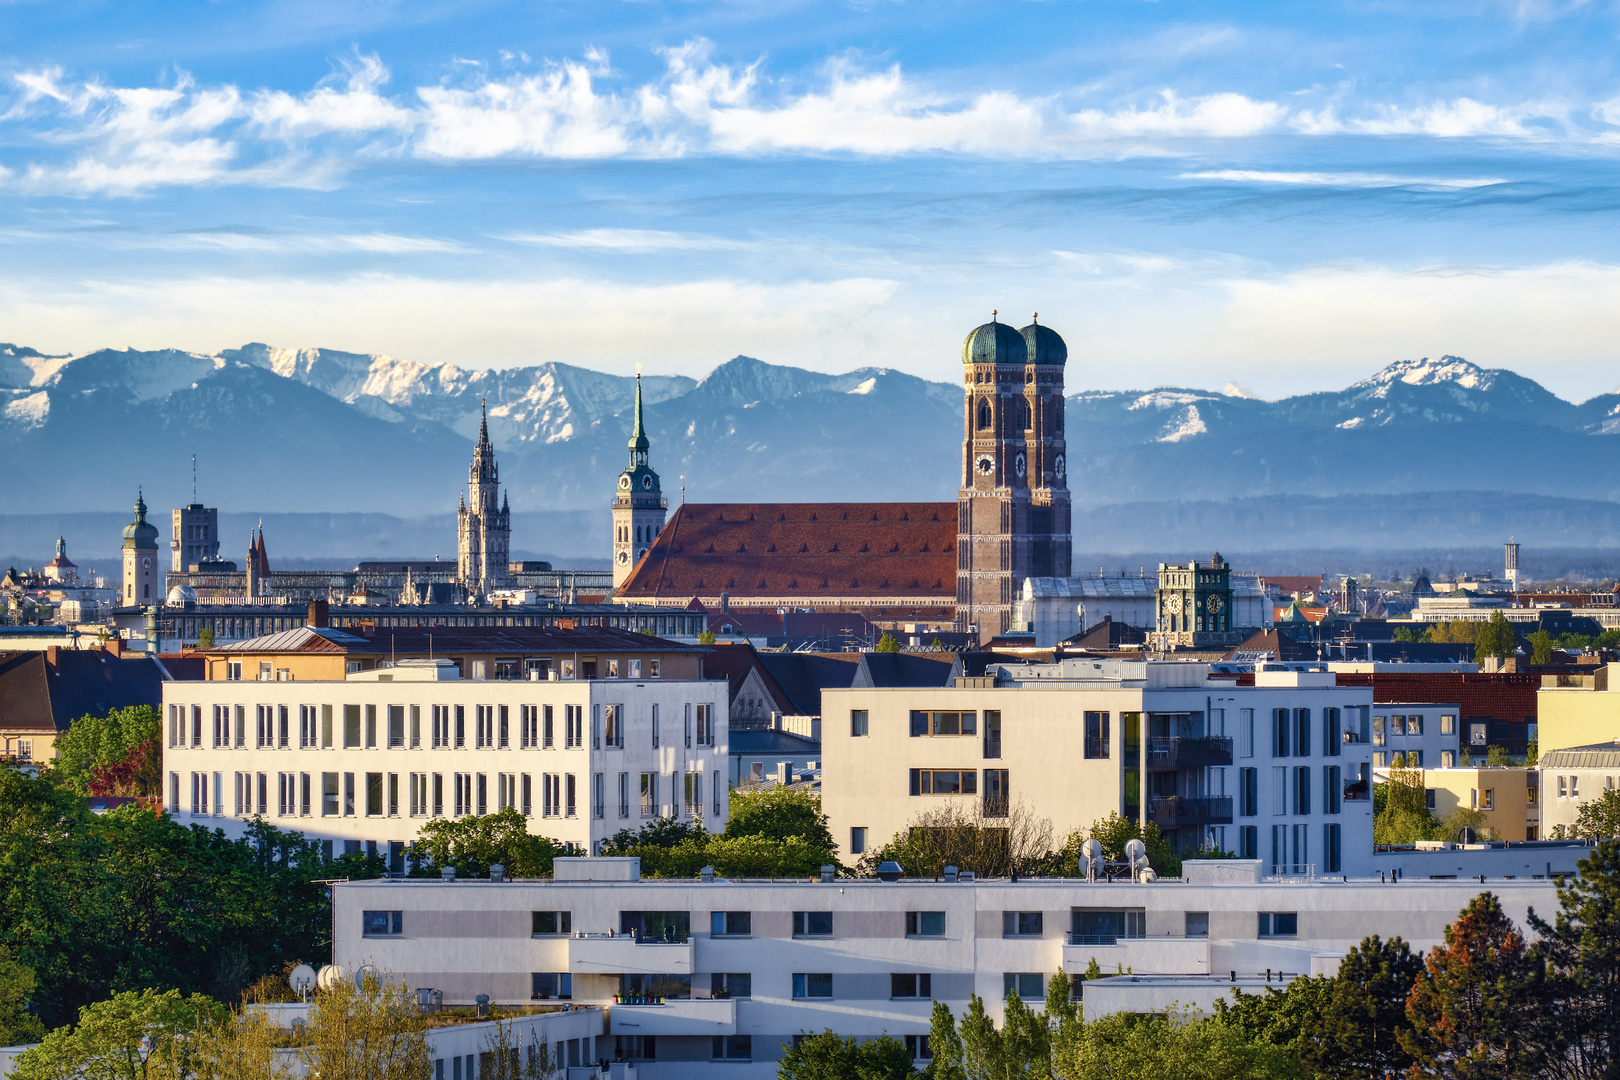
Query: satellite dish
x=1091 y=849
x=331 y=976
x=1465 y=835
x=302 y=979
x=367 y=971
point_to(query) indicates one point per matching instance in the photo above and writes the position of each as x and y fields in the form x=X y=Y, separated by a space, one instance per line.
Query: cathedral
x=959 y=565
x=484 y=523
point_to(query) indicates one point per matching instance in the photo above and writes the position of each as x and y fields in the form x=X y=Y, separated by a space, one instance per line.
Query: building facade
x=483 y=522
x=1194 y=607
x=1055 y=609
x=586 y=745
x=193 y=536
x=1013 y=519
x=1571 y=777
x=142 y=583
x=1279 y=771
x=638 y=505
x=1421 y=736
x=705 y=978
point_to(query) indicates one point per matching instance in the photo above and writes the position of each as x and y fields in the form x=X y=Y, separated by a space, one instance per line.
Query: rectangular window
x=731 y=984
x=857 y=840
x=1414 y=725
x=305 y=795
x=351 y=726
x=528 y=794
x=348 y=794
x=416 y=727
x=329 y=794
x=1249 y=842
x=569 y=796
x=547 y=735
x=1279 y=790
x=910 y=985
x=1248 y=792
x=944 y=782
x=1245 y=733
x=551 y=986
x=997 y=793
x=655 y=727
x=1302 y=733
x=598 y=795
x=382 y=923
x=374 y=794
x=502 y=739
x=812 y=984
x=459 y=735
x=1022 y=923
x=1397 y=725
x=812 y=924
x=396 y=726
x=1281 y=720
x=1279 y=924
x=1302 y=790
x=552 y=923
x=438 y=794
x=1489 y=801
x=1332 y=857
x=735 y=1047
x=1197 y=924
x=857 y=722
x=1478 y=733
x=1448 y=724
x=1096 y=745
x=917 y=1046
x=1105 y=926
x=693 y=794
x=925 y=924
x=944 y=723
x=653 y=669
x=705 y=725
x=1332 y=732
x=624 y=795
x=371 y=727
x=731 y=923
x=613 y=726
x=1332 y=789
x=1028 y=985
x=483 y=794
x=649 y=794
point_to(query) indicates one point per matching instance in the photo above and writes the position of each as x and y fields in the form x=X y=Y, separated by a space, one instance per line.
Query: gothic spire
x=483 y=424
x=638 y=437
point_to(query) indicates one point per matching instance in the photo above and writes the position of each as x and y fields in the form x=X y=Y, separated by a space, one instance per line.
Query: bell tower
x=638 y=507
x=1013 y=505
x=140 y=560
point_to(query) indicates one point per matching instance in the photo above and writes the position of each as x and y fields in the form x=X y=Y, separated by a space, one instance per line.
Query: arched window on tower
x=985 y=418
x=1029 y=415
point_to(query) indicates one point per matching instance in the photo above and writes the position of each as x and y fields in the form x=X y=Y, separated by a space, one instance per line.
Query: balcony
x=686 y=1016
x=613 y=954
x=1185 y=753
x=1174 y=812
x=1144 y=956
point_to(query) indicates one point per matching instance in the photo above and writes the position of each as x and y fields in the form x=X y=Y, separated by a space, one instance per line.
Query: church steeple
x=483 y=519
x=638 y=437
x=639 y=508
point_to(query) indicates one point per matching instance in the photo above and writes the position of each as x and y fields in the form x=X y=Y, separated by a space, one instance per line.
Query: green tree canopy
x=1496 y=638
x=778 y=813
x=831 y=1057
x=1599 y=818
x=133 y=1035
x=104 y=742
x=473 y=844
x=887 y=643
x=17 y=985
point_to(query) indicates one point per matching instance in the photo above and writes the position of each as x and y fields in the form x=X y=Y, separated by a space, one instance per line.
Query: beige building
x=1280 y=771
x=1573 y=776
x=1509 y=798
x=1578 y=709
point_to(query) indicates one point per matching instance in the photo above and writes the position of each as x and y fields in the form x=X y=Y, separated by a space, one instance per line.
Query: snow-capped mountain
x=283 y=429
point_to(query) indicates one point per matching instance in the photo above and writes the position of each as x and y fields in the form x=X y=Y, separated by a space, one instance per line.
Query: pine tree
x=1363 y=1024
x=1577 y=966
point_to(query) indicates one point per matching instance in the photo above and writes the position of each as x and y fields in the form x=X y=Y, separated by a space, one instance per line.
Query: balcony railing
x=1176 y=753
x=1096 y=747
x=1356 y=791
x=1173 y=811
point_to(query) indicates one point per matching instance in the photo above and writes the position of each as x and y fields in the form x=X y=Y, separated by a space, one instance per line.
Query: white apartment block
x=702 y=979
x=364 y=761
x=1426 y=733
x=1279 y=771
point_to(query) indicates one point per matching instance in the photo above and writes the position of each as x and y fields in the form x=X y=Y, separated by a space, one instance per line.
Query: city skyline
x=824 y=186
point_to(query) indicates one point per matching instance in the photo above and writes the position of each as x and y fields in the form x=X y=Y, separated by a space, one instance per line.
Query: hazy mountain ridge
x=281 y=429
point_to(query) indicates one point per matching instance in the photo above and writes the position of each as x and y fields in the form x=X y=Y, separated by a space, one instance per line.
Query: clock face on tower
x=624 y=558
x=1018 y=464
x=1214 y=603
x=646 y=483
x=985 y=465
x=624 y=482
x=1172 y=604
x=1057 y=467
x=146 y=562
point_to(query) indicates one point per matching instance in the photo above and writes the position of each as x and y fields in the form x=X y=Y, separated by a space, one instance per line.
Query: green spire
x=638 y=437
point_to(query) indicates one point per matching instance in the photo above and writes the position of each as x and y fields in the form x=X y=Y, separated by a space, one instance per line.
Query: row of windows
x=538 y=668
x=1291 y=848
x=377 y=794
x=1291 y=790
x=368 y=727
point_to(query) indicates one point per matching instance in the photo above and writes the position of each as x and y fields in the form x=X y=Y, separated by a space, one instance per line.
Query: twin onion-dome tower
x=1013 y=505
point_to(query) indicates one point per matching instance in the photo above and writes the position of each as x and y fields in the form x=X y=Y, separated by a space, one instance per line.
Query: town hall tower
x=484 y=522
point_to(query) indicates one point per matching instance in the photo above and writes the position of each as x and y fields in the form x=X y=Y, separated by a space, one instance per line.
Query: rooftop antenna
x=194 y=478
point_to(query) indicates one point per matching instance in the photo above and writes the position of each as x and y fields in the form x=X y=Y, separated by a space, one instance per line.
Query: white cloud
x=1461 y=117
x=556 y=114
x=635 y=241
x=355 y=107
x=1341 y=179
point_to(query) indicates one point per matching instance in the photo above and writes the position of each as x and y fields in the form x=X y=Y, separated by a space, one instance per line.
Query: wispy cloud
x=636 y=241
x=1341 y=179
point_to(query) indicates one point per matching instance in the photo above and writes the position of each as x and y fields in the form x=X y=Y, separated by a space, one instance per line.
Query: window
x=917 y=1046
x=460 y=735
x=1302 y=733
x=1478 y=734
x=1302 y=790
x=857 y=722
x=569 y=793
x=552 y=985
x=857 y=840
x=655 y=727
x=1022 y=923
x=1096 y=735
x=1249 y=842
x=1379 y=724
x=909 y=985
x=1280 y=722
x=329 y=794
x=351 y=726
x=599 y=795
x=734 y=1047
x=1414 y=725
x=812 y=924
x=997 y=793
x=705 y=725
x=1105 y=926
x=649 y=794
x=1489 y=800
x=381 y=923
x=944 y=782
x=731 y=923
x=925 y=924
x=374 y=794
x=693 y=793
x=1448 y=724
x=1448 y=759
x=548 y=923
x=547 y=729
x=1028 y=985
x=573 y=727
x=1248 y=792
x=1279 y=790
x=628 y=1047
x=731 y=984
x=812 y=984
x=613 y=726
x=1397 y=725
x=944 y=723
x=624 y=795
x=1197 y=924
x=1332 y=789
x=1332 y=856
x=1279 y=924
x=1246 y=733
x=1574 y=787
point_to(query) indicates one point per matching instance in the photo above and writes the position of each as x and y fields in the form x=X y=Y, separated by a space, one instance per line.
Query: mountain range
x=298 y=430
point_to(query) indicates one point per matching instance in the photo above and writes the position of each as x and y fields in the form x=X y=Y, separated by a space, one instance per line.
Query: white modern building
x=1426 y=734
x=1055 y=609
x=1279 y=771
x=706 y=978
x=367 y=759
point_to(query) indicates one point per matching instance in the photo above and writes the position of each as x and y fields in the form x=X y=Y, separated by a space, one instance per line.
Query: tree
x=1367 y=1010
x=1469 y=1008
x=706 y=638
x=1113 y=833
x=1180 y=1046
x=508 y=1057
x=778 y=813
x=887 y=643
x=1541 y=647
x=1497 y=757
x=961 y=834
x=372 y=1032
x=828 y=1057
x=242 y=1046
x=1496 y=638
x=17 y=985
x=1532 y=754
x=1288 y=1019
x=1404 y=817
x=205 y=638
x=1599 y=818
x=130 y=1036
x=105 y=741
x=1404 y=633
x=1577 y=961
x=473 y=844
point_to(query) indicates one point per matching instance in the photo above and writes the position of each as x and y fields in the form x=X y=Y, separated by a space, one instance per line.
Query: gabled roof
x=802 y=676
x=733 y=663
x=876 y=551
x=1276 y=646
x=905 y=669
x=442 y=640
x=45 y=697
x=298 y=639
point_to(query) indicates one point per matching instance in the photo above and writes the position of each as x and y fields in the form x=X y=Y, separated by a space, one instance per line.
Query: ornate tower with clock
x=638 y=506
x=484 y=521
x=1013 y=506
x=140 y=560
x=1194 y=603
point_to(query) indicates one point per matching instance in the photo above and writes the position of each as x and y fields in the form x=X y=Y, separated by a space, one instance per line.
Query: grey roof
x=770 y=742
x=1597 y=756
x=299 y=637
x=885 y=670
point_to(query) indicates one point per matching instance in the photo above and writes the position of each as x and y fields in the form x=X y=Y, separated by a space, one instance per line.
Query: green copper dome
x=994 y=343
x=1044 y=344
x=139 y=531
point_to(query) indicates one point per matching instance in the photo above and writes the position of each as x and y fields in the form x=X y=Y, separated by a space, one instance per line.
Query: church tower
x=484 y=522
x=639 y=506
x=1013 y=505
x=140 y=560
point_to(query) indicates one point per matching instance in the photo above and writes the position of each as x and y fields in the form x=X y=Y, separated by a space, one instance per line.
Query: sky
x=1284 y=197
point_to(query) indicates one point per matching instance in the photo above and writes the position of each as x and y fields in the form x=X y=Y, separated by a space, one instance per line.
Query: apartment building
x=1573 y=776
x=610 y=738
x=1419 y=735
x=1508 y=798
x=1279 y=771
x=705 y=978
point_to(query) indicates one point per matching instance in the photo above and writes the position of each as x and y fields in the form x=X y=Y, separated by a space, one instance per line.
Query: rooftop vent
x=889 y=871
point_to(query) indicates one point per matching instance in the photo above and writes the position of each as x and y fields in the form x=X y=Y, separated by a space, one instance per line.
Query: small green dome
x=994 y=343
x=140 y=531
x=1044 y=344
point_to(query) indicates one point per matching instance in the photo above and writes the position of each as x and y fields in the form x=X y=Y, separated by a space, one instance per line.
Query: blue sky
x=1283 y=196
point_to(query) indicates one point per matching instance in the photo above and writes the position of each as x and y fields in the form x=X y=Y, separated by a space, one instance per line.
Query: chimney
x=320 y=614
x=115 y=646
x=51 y=653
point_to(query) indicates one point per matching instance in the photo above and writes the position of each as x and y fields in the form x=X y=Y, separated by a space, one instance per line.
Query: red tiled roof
x=1289 y=585
x=1497 y=695
x=818 y=551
